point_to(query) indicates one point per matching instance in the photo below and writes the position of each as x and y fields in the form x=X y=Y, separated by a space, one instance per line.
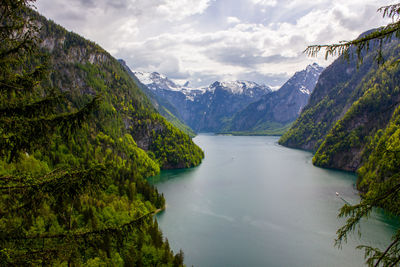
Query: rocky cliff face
x=205 y=109
x=349 y=105
x=281 y=107
x=83 y=69
x=161 y=104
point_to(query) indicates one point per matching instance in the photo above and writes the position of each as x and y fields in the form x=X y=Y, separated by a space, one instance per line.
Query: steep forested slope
x=348 y=110
x=79 y=196
x=82 y=68
x=162 y=105
x=348 y=140
x=339 y=86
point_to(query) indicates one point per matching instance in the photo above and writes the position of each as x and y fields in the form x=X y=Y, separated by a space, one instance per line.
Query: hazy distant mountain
x=236 y=106
x=351 y=111
x=279 y=108
x=205 y=109
x=163 y=106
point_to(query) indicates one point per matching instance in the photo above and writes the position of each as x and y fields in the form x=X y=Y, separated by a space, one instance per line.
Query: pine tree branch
x=34 y=109
x=19 y=133
x=23 y=83
x=62 y=185
x=383 y=34
x=361 y=210
x=342 y=47
x=84 y=235
x=386 y=251
x=390 y=11
x=25 y=44
x=395 y=262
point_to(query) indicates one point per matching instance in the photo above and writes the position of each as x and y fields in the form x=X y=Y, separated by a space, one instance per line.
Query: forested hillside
x=78 y=139
x=351 y=116
x=82 y=68
x=349 y=142
x=162 y=105
x=339 y=86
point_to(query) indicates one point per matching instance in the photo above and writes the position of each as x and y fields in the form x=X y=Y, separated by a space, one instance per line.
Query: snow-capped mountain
x=279 y=107
x=248 y=88
x=235 y=105
x=205 y=109
x=155 y=80
x=306 y=80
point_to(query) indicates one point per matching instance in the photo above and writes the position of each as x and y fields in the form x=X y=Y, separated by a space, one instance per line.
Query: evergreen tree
x=362 y=44
x=380 y=176
x=93 y=209
x=30 y=117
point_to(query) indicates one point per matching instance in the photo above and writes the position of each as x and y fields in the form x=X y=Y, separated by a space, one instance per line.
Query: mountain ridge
x=205 y=108
x=216 y=108
x=279 y=108
x=350 y=105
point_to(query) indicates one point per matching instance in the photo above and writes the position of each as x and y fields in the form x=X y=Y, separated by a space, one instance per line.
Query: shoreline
x=159 y=210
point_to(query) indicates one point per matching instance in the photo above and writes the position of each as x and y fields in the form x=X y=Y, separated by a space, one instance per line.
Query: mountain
x=85 y=199
x=351 y=109
x=82 y=68
x=166 y=109
x=204 y=109
x=274 y=111
x=221 y=101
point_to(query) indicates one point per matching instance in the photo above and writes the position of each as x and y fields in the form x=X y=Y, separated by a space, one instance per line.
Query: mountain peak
x=314 y=67
x=304 y=80
x=241 y=87
x=155 y=80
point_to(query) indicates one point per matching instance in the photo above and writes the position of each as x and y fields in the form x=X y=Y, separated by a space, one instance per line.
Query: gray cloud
x=198 y=40
x=358 y=19
x=247 y=57
x=270 y=79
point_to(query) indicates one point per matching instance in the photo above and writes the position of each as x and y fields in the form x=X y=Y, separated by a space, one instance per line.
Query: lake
x=253 y=202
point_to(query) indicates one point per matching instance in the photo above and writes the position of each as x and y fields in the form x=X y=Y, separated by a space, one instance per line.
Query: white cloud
x=180 y=9
x=233 y=20
x=265 y=2
x=204 y=40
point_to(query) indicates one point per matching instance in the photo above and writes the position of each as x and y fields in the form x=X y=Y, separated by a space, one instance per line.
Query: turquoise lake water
x=253 y=202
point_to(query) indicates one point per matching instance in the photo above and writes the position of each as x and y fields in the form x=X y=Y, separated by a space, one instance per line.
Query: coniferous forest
x=80 y=134
x=78 y=139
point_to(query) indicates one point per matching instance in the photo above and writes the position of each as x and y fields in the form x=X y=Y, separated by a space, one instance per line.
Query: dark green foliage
x=338 y=87
x=173 y=150
x=344 y=145
x=83 y=69
x=363 y=130
x=383 y=161
x=72 y=177
x=163 y=106
x=361 y=45
x=353 y=121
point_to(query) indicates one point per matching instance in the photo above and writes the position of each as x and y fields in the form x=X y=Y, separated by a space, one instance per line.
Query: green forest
x=80 y=135
x=78 y=138
x=352 y=124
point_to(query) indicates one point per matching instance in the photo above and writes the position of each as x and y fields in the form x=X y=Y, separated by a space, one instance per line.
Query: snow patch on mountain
x=156 y=81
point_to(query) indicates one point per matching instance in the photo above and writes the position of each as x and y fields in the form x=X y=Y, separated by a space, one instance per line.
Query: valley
x=212 y=141
x=238 y=107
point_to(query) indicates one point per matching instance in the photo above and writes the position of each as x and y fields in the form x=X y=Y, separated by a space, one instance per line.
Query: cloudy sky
x=206 y=40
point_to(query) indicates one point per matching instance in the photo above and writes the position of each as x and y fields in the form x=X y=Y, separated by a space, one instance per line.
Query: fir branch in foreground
x=362 y=44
